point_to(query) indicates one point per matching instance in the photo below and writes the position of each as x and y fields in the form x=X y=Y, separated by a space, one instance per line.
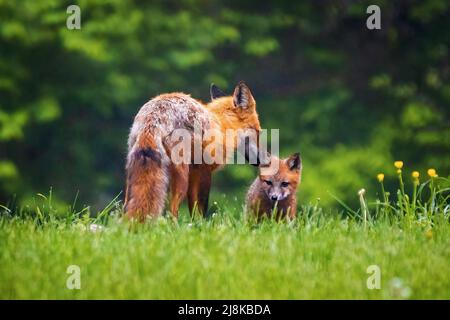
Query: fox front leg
x=199 y=187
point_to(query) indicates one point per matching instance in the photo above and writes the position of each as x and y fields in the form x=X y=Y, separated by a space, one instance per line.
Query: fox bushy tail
x=147 y=179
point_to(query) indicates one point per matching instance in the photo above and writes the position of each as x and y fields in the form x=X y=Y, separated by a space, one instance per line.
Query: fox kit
x=151 y=173
x=276 y=187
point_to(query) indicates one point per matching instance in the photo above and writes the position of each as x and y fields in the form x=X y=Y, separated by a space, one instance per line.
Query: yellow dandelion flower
x=415 y=174
x=432 y=173
x=398 y=164
x=429 y=234
x=380 y=177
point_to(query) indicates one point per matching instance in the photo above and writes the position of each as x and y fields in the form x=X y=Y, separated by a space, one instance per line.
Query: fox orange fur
x=276 y=187
x=151 y=174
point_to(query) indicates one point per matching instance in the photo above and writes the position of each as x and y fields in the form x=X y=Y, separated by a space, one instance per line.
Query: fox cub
x=152 y=174
x=274 y=190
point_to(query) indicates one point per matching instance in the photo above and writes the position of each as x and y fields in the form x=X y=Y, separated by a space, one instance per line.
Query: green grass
x=321 y=255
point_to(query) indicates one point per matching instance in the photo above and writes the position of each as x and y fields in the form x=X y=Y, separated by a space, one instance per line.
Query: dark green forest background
x=351 y=100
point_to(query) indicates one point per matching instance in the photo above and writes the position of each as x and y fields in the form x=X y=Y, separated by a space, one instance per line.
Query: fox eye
x=268 y=182
x=284 y=184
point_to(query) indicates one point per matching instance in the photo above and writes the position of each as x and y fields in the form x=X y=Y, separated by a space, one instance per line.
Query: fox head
x=237 y=113
x=281 y=178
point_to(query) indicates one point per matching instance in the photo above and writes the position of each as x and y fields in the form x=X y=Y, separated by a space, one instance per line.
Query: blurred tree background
x=351 y=100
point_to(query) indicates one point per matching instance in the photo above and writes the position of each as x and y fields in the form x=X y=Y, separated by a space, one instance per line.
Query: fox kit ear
x=295 y=162
x=216 y=92
x=242 y=97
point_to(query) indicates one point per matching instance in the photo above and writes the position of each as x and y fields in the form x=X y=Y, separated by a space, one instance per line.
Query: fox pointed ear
x=294 y=162
x=242 y=96
x=216 y=92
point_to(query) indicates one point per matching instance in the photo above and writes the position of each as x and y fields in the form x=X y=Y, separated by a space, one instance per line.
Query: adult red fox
x=276 y=185
x=151 y=173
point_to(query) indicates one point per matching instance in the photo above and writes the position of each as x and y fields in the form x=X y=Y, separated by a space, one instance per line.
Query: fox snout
x=276 y=194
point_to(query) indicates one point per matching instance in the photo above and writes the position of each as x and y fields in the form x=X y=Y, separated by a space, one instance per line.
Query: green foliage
x=351 y=100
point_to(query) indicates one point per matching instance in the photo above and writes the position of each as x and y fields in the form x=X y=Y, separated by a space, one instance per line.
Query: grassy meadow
x=323 y=254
